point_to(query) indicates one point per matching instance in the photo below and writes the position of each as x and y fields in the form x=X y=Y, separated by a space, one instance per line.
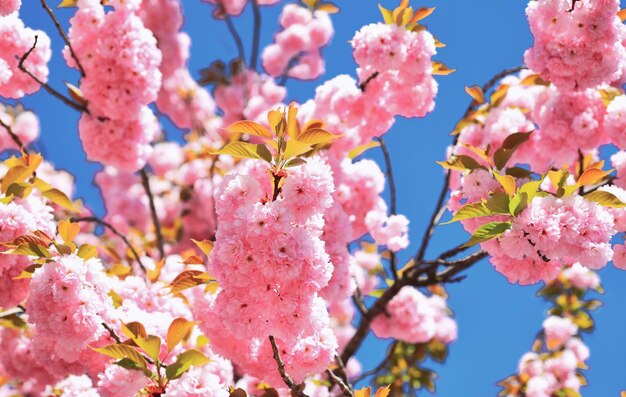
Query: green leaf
x=487 y=232
x=120 y=351
x=605 y=199
x=509 y=146
x=179 y=329
x=184 y=361
x=247 y=150
x=469 y=211
x=151 y=344
x=498 y=203
x=460 y=163
x=130 y=364
x=29 y=249
x=519 y=172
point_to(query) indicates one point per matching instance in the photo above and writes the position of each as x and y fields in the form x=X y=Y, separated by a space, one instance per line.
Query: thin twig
x=345 y=390
x=434 y=218
x=107 y=225
x=46 y=86
x=295 y=389
x=453 y=251
x=363 y=85
x=64 y=36
x=145 y=181
x=392 y=198
x=357 y=298
x=112 y=333
x=15 y=138
x=341 y=369
x=236 y=37
x=364 y=324
x=256 y=38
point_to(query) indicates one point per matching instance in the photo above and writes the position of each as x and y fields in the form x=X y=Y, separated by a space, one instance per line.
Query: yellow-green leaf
x=250 y=128
x=460 y=163
x=507 y=182
x=179 y=329
x=134 y=330
x=59 y=198
x=87 y=252
x=184 y=361
x=499 y=94
x=487 y=232
x=605 y=199
x=357 y=151
x=469 y=211
x=247 y=150
x=498 y=203
x=120 y=351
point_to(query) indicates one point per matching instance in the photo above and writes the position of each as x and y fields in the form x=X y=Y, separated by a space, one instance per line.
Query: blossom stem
x=256 y=38
x=145 y=180
x=63 y=35
x=295 y=389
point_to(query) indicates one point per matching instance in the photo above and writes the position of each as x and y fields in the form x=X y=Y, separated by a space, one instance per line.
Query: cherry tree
x=255 y=255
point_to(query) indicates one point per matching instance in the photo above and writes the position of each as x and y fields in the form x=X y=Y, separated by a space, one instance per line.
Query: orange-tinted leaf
x=622 y=14
x=276 y=120
x=315 y=136
x=507 y=182
x=295 y=148
x=328 y=7
x=179 y=329
x=193 y=260
x=206 y=246
x=68 y=230
x=592 y=176
x=439 y=69
x=363 y=392
x=476 y=93
x=250 y=128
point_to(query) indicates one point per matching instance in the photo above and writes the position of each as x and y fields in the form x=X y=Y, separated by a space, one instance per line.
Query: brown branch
x=365 y=322
x=434 y=219
x=14 y=136
x=64 y=36
x=345 y=390
x=392 y=198
x=46 y=86
x=256 y=38
x=236 y=36
x=341 y=369
x=112 y=333
x=295 y=389
x=363 y=85
x=145 y=181
x=107 y=225
x=357 y=298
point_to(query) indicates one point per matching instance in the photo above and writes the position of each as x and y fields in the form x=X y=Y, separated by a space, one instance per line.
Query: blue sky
x=497 y=320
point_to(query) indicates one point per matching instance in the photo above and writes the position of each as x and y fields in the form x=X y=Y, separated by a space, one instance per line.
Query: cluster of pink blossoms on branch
x=254 y=255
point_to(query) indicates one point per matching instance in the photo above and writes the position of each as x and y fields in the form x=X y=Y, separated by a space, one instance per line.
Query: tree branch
x=107 y=225
x=392 y=198
x=236 y=37
x=295 y=389
x=345 y=390
x=256 y=38
x=15 y=138
x=363 y=85
x=46 y=86
x=145 y=181
x=64 y=36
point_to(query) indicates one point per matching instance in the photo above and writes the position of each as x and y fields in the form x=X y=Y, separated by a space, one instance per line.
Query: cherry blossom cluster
x=416 y=318
x=277 y=244
x=297 y=49
x=121 y=63
x=17 y=41
x=23 y=123
x=578 y=45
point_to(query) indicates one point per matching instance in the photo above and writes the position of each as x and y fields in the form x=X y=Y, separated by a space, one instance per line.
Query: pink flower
x=558 y=331
x=575 y=49
x=17 y=40
x=619 y=260
x=391 y=231
x=581 y=277
x=9 y=6
x=117 y=381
